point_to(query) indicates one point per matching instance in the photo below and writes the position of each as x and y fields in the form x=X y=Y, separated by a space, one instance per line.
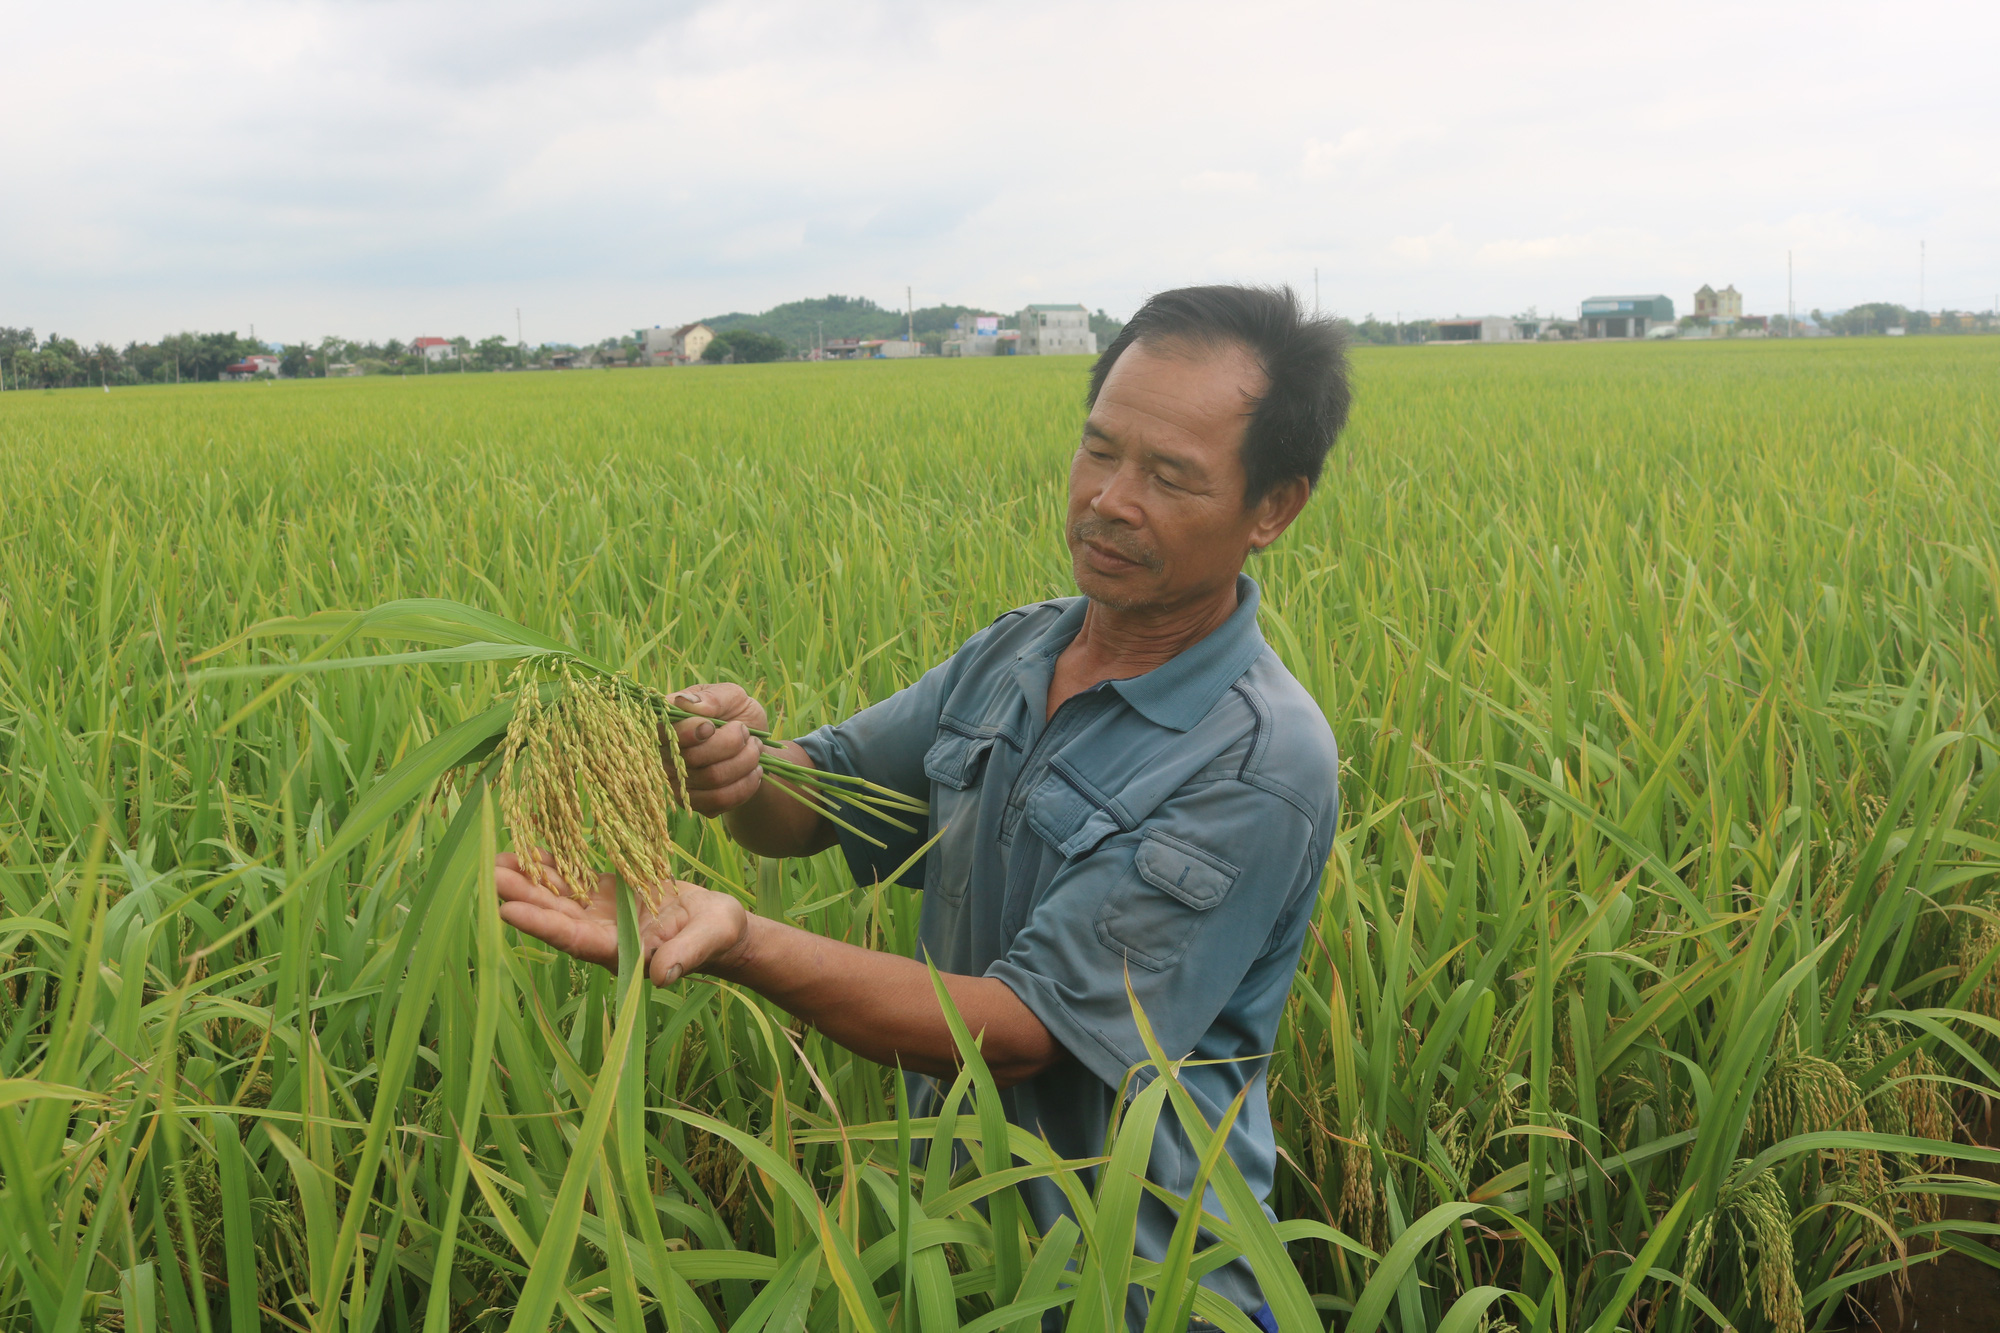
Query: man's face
x=1156 y=513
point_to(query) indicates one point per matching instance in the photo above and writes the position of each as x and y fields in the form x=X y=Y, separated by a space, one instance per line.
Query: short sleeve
x=885 y=743
x=1184 y=905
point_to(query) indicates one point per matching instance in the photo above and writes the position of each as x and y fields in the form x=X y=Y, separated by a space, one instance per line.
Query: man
x=1128 y=783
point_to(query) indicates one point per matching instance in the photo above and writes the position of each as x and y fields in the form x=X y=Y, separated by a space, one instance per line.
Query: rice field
x=1651 y=985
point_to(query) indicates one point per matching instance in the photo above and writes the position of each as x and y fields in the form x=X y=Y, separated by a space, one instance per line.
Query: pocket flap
x=1190 y=874
x=1066 y=819
x=957 y=760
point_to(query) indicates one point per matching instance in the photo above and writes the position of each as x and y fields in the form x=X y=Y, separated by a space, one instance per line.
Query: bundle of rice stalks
x=586 y=768
x=581 y=768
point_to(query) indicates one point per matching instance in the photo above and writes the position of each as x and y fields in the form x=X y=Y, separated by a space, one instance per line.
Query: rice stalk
x=581 y=775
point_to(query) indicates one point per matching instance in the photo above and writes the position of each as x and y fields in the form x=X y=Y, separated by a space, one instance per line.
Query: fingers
x=515 y=887
x=705 y=743
x=507 y=868
x=705 y=699
x=706 y=935
x=563 y=925
x=724 y=702
x=722 y=764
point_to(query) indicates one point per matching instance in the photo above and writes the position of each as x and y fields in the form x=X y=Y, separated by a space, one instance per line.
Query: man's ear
x=1275 y=512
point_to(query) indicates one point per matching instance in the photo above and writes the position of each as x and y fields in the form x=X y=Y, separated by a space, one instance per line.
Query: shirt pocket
x=1157 y=907
x=955 y=764
x=956 y=760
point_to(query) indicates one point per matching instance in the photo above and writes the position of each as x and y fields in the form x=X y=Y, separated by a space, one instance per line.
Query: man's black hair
x=1304 y=360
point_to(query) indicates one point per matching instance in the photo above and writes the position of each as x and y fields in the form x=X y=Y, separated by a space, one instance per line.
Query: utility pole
x=910 y=304
x=520 y=339
x=1791 y=308
x=822 y=339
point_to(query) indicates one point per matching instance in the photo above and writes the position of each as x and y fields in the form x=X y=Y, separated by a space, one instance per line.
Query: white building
x=250 y=367
x=433 y=349
x=1056 y=330
x=1478 y=329
x=974 y=335
x=675 y=347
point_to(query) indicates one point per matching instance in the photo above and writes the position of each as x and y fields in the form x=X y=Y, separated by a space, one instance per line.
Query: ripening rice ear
x=580 y=768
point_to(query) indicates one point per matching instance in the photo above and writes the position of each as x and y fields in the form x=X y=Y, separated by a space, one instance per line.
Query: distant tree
x=296 y=361
x=745 y=345
x=332 y=349
x=1389 y=332
x=1105 y=327
x=201 y=356
x=1874 y=317
x=493 y=353
x=16 y=340
x=110 y=367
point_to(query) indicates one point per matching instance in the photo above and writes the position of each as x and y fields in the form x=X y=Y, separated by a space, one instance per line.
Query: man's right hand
x=720 y=753
x=724 y=777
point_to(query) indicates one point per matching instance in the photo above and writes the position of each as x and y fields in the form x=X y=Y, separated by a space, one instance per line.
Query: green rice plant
x=1663 y=910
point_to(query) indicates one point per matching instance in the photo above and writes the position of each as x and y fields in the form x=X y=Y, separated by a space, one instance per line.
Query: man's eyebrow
x=1182 y=463
x=1185 y=464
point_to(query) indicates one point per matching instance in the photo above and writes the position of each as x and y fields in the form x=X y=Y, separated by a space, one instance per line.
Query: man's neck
x=1117 y=645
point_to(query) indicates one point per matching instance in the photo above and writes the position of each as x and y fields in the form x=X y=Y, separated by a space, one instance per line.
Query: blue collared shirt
x=1171 y=827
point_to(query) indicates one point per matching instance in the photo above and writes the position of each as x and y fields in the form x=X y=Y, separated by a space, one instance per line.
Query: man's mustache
x=1103 y=532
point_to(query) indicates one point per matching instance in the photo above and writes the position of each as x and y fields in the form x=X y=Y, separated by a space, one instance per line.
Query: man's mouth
x=1105 y=555
x=1108 y=558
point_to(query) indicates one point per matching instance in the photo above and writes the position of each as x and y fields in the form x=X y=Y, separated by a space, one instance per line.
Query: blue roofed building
x=1625 y=316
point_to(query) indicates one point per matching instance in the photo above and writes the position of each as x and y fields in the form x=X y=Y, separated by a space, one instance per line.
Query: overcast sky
x=377 y=170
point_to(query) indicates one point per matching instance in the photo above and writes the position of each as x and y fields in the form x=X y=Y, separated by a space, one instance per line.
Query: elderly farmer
x=1128 y=783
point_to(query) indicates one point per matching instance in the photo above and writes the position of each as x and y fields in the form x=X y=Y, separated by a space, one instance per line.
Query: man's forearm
x=881 y=1006
x=775 y=823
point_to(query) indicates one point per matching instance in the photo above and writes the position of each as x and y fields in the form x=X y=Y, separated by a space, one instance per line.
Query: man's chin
x=1113 y=594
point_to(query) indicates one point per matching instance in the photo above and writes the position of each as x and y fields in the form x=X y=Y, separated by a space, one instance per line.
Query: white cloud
x=369 y=168
x=1425 y=249
x=1220 y=182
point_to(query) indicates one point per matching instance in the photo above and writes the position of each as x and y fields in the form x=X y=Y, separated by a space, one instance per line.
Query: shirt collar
x=1180 y=692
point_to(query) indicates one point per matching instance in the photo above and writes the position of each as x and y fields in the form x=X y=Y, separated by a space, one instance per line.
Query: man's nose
x=1118 y=498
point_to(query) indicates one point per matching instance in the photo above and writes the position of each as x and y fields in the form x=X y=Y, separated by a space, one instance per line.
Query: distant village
x=1716 y=314
x=865 y=331
x=1038 y=330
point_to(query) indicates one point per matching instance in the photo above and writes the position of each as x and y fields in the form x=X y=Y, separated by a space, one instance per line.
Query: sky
x=377 y=170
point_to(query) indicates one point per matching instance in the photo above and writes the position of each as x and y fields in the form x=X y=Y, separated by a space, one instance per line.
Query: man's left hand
x=694 y=930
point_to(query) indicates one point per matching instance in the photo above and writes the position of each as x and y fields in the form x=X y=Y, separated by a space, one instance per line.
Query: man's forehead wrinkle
x=1190 y=350
x=1137 y=428
x=1183 y=414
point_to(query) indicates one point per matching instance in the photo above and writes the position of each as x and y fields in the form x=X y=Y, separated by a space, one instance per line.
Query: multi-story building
x=1056 y=330
x=1726 y=304
x=976 y=335
x=432 y=349
x=675 y=347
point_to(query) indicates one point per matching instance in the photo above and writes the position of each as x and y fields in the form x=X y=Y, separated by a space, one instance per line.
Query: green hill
x=802 y=323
